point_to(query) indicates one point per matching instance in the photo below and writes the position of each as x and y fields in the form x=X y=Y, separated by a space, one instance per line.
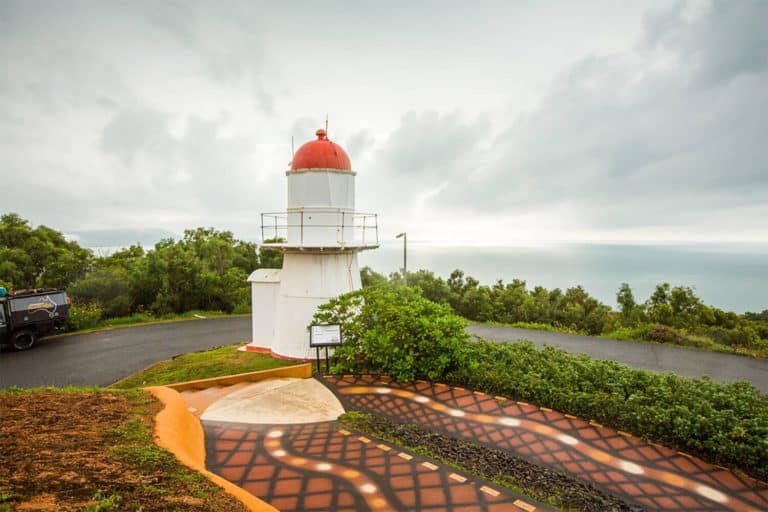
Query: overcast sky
x=503 y=122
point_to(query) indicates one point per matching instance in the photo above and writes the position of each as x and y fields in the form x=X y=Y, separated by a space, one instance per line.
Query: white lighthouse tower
x=321 y=234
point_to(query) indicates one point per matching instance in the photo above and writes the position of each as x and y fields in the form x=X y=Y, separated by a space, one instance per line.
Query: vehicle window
x=38 y=302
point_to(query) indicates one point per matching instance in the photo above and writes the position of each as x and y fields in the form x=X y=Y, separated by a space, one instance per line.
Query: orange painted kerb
x=181 y=433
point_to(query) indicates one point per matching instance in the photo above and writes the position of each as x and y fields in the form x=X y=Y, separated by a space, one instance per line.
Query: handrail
x=352 y=228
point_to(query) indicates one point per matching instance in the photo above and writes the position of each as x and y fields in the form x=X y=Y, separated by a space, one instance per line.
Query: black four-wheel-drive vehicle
x=28 y=315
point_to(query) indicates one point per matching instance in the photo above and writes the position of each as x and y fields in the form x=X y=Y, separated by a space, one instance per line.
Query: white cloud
x=503 y=123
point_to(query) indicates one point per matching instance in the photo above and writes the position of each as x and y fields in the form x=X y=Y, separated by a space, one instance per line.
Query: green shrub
x=394 y=330
x=664 y=334
x=638 y=332
x=741 y=336
x=84 y=316
x=108 y=287
x=724 y=423
x=242 y=308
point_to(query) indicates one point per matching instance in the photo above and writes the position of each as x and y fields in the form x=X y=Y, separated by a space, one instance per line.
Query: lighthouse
x=320 y=234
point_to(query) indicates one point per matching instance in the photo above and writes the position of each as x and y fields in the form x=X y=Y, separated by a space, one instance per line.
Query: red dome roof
x=321 y=154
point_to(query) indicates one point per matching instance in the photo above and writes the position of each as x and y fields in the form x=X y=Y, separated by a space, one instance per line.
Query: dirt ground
x=92 y=451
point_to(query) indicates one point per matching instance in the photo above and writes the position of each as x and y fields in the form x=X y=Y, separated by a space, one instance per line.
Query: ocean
x=732 y=277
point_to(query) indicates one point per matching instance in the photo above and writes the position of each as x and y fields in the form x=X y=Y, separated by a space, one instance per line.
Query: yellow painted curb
x=181 y=433
x=300 y=371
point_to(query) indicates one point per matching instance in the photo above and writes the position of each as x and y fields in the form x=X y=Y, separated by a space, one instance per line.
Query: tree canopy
x=206 y=269
x=39 y=257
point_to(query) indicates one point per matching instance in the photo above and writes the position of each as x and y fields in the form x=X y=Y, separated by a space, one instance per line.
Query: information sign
x=325 y=335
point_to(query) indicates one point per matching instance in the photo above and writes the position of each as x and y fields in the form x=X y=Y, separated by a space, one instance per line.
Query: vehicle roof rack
x=34 y=291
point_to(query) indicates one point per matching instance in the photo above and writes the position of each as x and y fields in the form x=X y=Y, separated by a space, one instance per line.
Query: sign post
x=324 y=335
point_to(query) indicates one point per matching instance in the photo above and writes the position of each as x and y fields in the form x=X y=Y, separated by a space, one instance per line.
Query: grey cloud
x=303 y=129
x=432 y=145
x=426 y=151
x=136 y=130
x=632 y=152
x=359 y=143
x=727 y=39
x=86 y=128
x=226 y=39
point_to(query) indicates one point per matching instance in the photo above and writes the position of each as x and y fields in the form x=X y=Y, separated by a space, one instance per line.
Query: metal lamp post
x=404 y=236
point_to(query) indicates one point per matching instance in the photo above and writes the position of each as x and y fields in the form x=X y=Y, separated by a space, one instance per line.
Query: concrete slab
x=198 y=400
x=277 y=402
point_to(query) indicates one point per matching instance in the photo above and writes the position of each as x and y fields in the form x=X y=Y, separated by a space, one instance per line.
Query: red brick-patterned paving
x=326 y=467
x=648 y=474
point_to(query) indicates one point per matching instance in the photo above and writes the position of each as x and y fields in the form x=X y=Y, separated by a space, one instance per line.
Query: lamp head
x=401 y=235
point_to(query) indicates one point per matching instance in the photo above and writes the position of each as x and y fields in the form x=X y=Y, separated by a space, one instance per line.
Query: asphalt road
x=648 y=356
x=101 y=358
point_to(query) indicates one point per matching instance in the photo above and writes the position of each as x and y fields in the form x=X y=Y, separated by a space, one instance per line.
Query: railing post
x=301 y=229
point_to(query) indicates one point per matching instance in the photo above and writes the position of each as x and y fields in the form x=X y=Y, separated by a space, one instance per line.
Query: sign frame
x=330 y=343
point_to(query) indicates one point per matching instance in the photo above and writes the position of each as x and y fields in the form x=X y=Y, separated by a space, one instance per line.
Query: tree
x=206 y=269
x=631 y=312
x=368 y=277
x=271 y=258
x=39 y=257
x=657 y=306
x=432 y=287
x=509 y=301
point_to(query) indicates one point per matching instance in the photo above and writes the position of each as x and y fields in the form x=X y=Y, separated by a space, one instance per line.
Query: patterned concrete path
x=644 y=473
x=323 y=466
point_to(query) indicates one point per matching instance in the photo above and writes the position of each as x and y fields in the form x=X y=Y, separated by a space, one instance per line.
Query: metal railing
x=355 y=229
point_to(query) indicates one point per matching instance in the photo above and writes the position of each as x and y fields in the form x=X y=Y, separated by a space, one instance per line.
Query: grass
x=103 y=503
x=216 y=362
x=15 y=390
x=535 y=326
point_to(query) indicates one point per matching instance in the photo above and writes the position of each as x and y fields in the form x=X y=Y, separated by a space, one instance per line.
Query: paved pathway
x=297 y=463
x=648 y=474
x=326 y=467
x=648 y=356
x=101 y=358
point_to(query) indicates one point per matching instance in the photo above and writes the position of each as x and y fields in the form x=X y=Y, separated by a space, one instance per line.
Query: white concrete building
x=321 y=234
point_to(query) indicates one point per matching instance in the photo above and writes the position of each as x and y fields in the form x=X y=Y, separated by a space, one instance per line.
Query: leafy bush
x=243 y=308
x=664 y=334
x=108 y=287
x=741 y=336
x=84 y=316
x=394 y=330
x=724 y=423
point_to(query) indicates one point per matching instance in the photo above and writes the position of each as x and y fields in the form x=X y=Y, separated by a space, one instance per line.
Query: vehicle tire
x=23 y=340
